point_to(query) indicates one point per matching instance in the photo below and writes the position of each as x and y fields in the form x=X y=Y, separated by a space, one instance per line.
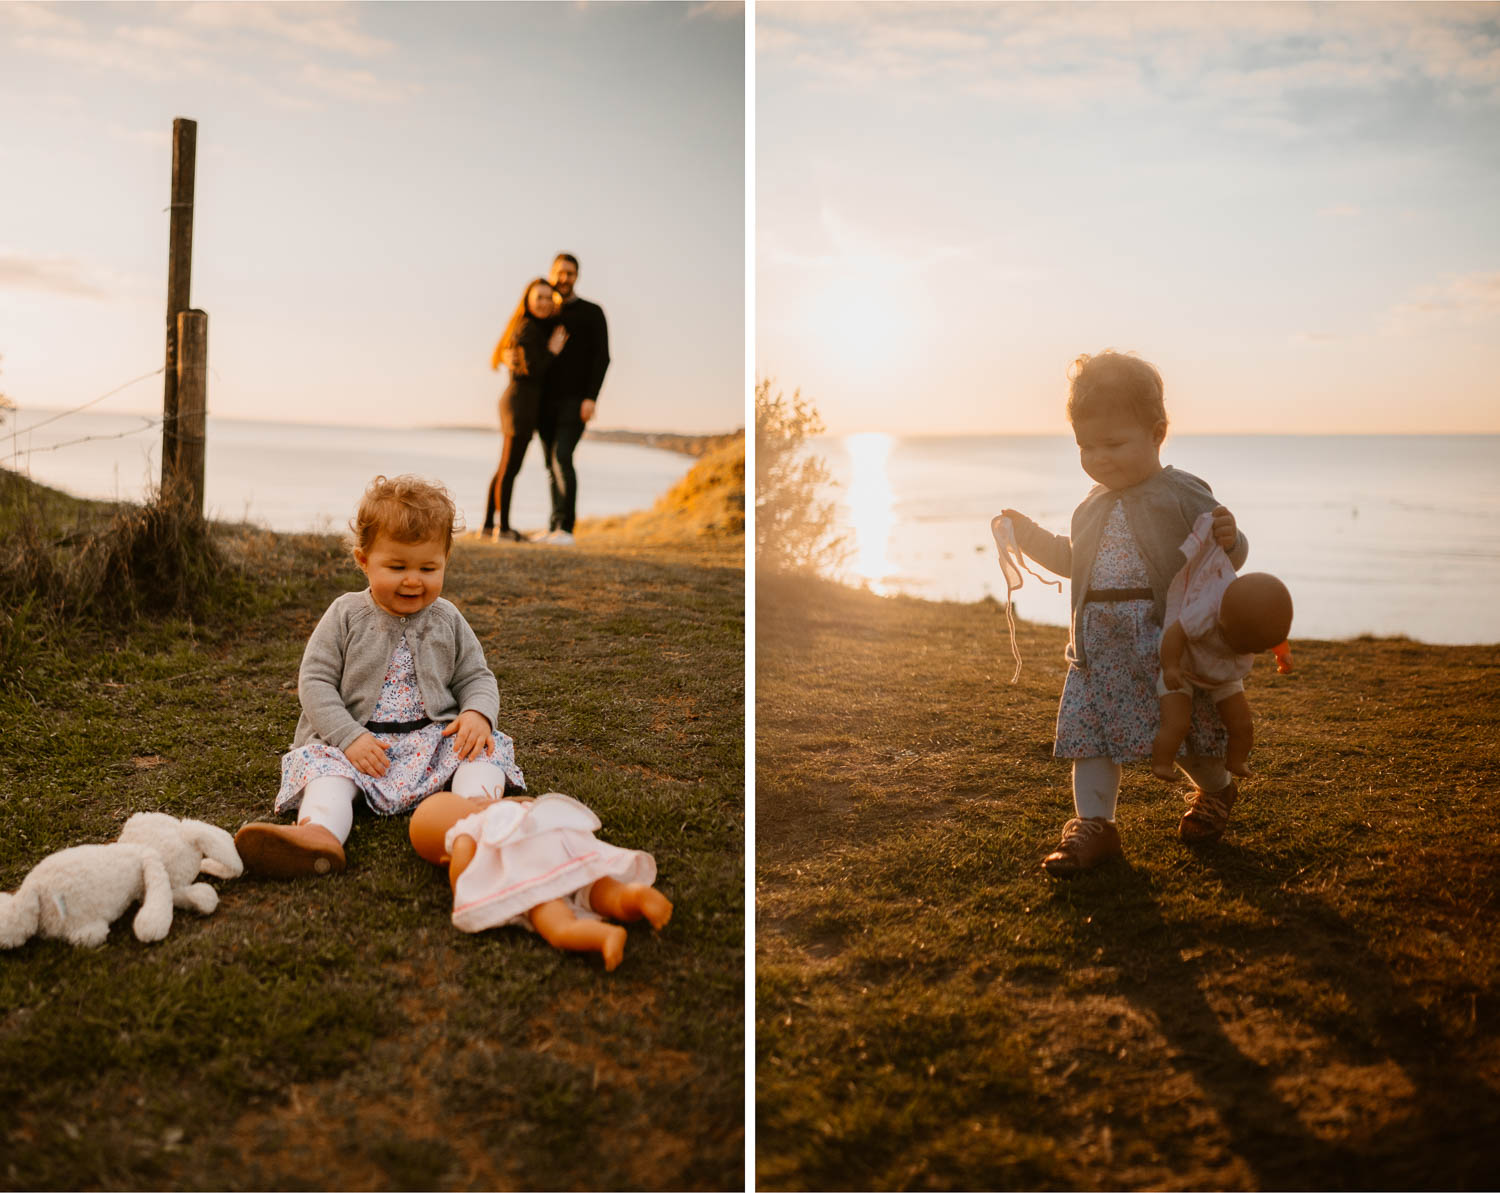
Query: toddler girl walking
x=397 y=699
x=1121 y=556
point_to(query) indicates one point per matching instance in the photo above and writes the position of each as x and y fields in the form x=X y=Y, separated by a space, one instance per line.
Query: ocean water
x=289 y=477
x=1383 y=535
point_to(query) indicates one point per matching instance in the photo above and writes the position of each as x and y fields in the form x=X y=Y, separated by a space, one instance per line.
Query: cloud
x=360 y=86
x=771 y=40
x=1254 y=59
x=1462 y=300
x=39 y=18
x=851 y=246
x=722 y=10
x=1340 y=210
x=49 y=275
x=1317 y=337
x=289 y=55
x=332 y=28
x=139 y=136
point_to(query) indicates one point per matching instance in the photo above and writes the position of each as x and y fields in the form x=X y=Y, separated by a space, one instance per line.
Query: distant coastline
x=669 y=441
x=687 y=445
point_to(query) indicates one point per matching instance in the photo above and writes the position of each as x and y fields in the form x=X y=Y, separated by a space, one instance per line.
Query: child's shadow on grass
x=1158 y=959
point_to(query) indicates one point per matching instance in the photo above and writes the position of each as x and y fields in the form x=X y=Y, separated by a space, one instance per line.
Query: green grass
x=1314 y=1003
x=341 y=1033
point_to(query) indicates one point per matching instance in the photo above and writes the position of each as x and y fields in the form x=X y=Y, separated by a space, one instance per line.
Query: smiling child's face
x=404 y=577
x=1117 y=450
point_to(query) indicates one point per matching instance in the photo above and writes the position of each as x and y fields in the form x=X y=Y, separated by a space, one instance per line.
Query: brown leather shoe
x=1086 y=843
x=1207 y=815
x=289 y=850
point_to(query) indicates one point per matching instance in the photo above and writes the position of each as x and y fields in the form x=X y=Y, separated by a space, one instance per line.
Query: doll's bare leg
x=628 y=902
x=1176 y=720
x=560 y=928
x=1234 y=711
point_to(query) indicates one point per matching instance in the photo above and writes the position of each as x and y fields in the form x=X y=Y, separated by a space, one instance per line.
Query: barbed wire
x=91 y=402
x=149 y=422
x=16 y=451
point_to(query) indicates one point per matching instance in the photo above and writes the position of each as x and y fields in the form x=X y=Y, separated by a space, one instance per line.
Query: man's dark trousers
x=560 y=430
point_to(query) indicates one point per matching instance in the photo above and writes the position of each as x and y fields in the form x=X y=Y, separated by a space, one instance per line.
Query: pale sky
x=376 y=183
x=1293 y=210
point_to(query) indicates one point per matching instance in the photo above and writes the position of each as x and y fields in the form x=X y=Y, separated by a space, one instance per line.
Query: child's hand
x=472 y=736
x=368 y=755
x=1224 y=528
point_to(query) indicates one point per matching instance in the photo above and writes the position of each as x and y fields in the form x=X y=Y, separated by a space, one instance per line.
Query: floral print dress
x=419 y=762
x=1110 y=709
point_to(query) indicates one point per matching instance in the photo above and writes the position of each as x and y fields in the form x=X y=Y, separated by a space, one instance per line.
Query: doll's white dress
x=1194 y=598
x=528 y=853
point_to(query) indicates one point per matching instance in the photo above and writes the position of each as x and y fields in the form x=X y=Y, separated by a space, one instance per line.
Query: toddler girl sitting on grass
x=397 y=699
x=1122 y=555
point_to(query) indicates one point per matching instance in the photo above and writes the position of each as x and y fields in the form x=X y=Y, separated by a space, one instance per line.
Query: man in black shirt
x=569 y=392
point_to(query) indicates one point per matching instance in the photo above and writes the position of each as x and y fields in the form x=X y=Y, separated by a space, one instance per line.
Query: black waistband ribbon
x=1119 y=594
x=397 y=726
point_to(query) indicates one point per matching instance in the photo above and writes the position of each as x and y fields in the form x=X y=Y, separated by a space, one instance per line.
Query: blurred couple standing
x=556 y=347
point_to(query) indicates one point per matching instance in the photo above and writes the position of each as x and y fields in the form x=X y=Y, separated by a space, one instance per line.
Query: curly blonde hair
x=1115 y=381
x=408 y=509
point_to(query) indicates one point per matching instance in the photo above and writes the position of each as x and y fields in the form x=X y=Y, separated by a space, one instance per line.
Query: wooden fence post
x=179 y=280
x=192 y=404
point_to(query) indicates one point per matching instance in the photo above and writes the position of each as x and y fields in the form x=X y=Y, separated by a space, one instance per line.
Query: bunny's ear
x=220 y=858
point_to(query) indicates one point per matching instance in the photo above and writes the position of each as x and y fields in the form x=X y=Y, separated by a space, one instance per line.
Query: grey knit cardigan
x=1160 y=512
x=346 y=658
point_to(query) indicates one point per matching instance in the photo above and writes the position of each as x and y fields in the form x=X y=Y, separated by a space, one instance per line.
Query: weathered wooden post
x=192 y=405
x=179 y=282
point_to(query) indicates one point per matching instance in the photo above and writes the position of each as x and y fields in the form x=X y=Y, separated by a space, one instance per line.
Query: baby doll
x=537 y=863
x=1215 y=625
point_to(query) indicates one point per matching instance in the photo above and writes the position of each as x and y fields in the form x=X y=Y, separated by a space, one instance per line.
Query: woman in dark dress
x=532 y=339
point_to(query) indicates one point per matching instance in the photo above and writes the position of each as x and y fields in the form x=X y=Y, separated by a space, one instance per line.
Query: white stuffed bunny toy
x=75 y=894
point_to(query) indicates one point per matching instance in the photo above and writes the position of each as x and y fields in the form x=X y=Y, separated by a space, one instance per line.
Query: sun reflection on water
x=872 y=506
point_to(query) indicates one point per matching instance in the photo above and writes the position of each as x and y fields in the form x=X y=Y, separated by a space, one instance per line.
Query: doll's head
x=1118 y=416
x=434 y=816
x=440 y=811
x=1255 y=613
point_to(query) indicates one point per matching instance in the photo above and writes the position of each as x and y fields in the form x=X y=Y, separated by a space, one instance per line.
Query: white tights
x=328 y=800
x=1096 y=782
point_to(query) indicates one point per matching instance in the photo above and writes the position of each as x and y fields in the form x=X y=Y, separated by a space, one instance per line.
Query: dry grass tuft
x=706 y=504
x=81 y=560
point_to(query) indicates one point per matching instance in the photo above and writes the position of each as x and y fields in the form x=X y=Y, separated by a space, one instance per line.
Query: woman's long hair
x=513 y=328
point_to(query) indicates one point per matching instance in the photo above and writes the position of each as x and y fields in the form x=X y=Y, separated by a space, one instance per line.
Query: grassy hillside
x=340 y=1033
x=1314 y=1003
x=704 y=510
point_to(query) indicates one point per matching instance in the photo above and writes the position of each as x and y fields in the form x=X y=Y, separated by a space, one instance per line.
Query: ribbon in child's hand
x=1012 y=563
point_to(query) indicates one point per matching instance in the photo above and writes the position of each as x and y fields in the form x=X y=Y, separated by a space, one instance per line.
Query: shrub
x=112 y=565
x=794 y=524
